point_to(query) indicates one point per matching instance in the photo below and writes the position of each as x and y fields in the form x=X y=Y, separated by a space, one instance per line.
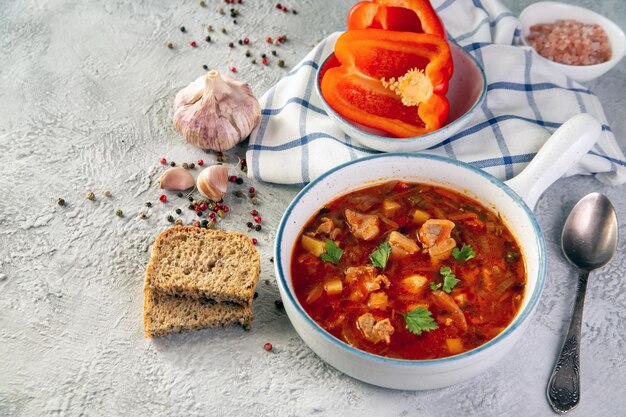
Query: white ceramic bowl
x=567 y=145
x=466 y=92
x=550 y=11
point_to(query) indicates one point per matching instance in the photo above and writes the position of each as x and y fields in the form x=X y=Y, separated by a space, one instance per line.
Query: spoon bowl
x=589 y=241
x=589 y=237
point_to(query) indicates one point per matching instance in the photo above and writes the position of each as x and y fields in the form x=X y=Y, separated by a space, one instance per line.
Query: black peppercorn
x=61 y=202
x=199 y=213
x=170 y=219
x=256 y=294
x=148 y=204
x=263 y=56
x=192 y=166
x=172 y=164
x=204 y=223
x=192 y=207
x=190 y=198
x=231 y=45
x=205 y=67
x=178 y=211
x=274 y=53
x=257 y=227
x=239 y=180
x=182 y=29
x=250 y=225
x=180 y=195
x=208 y=39
x=248 y=53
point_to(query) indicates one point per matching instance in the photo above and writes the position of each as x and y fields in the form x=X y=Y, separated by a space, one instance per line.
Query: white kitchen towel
x=526 y=101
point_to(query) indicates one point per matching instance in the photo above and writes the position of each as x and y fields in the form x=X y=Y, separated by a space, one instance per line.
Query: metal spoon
x=589 y=241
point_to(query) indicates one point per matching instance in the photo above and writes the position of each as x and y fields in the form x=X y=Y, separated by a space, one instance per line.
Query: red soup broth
x=428 y=229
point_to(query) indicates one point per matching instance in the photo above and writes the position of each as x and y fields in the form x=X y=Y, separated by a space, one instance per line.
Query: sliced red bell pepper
x=401 y=15
x=384 y=75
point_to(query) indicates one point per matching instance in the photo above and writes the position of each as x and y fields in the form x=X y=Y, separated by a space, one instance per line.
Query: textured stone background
x=86 y=90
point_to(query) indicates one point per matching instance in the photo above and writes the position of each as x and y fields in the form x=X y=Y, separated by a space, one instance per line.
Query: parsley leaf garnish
x=435 y=286
x=333 y=252
x=419 y=320
x=449 y=279
x=380 y=256
x=464 y=254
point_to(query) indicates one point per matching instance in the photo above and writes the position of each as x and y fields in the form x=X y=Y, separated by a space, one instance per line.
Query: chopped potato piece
x=390 y=207
x=402 y=245
x=414 y=284
x=333 y=287
x=378 y=301
x=454 y=345
x=312 y=245
x=420 y=216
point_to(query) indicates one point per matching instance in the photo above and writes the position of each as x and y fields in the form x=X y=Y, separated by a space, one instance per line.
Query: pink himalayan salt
x=570 y=42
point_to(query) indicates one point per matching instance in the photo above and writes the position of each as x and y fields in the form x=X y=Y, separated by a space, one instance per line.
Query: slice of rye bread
x=198 y=263
x=165 y=314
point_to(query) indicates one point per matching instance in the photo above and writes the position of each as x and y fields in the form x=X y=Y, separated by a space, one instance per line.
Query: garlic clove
x=213 y=182
x=176 y=179
x=216 y=111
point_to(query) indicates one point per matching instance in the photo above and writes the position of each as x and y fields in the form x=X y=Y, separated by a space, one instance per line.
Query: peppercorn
x=200 y=162
x=231 y=45
x=244 y=169
x=60 y=201
x=263 y=56
x=178 y=222
x=220 y=11
x=246 y=41
x=224 y=30
x=178 y=211
x=205 y=67
x=268 y=39
x=256 y=295
x=294 y=11
x=163 y=198
x=274 y=52
x=190 y=198
x=272 y=259
x=251 y=190
x=239 y=180
x=254 y=212
x=212 y=215
x=233 y=69
x=264 y=61
x=170 y=45
x=248 y=53
x=278 y=304
x=257 y=227
x=170 y=218
x=254 y=241
x=182 y=29
x=172 y=164
x=204 y=223
x=267 y=282
x=209 y=28
x=254 y=201
x=119 y=213
x=192 y=207
x=220 y=213
x=193 y=44
x=202 y=3
x=199 y=213
x=142 y=215
x=91 y=196
x=281 y=63
x=107 y=193
x=208 y=39
x=254 y=61
x=192 y=165
x=185 y=165
x=258 y=219
x=250 y=225
x=240 y=42
x=267 y=346
x=196 y=223
x=148 y=204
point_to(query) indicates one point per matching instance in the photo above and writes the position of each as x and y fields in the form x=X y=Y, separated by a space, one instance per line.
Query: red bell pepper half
x=400 y=15
x=392 y=81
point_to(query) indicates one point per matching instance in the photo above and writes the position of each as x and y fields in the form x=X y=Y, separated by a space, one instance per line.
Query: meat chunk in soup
x=363 y=226
x=373 y=330
x=435 y=236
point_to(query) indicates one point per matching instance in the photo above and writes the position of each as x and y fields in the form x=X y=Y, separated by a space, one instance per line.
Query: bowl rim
x=413 y=139
x=613 y=27
x=517 y=322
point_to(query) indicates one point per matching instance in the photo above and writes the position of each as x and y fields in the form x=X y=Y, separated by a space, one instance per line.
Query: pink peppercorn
x=258 y=219
x=233 y=69
x=267 y=346
x=212 y=215
x=196 y=223
x=253 y=212
x=200 y=162
x=163 y=161
x=163 y=198
x=246 y=41
x=268 y=39
x=264 y=61
x=285 y=9
x=232 y=178
x=252 y=190
x=193 y=44
x=202 y=207
x=279 y=6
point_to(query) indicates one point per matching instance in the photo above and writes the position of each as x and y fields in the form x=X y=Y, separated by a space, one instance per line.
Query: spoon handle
x=564 y=385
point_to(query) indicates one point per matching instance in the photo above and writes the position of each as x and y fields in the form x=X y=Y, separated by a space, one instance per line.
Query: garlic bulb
x=216 y=111
x=213 y=182
x=176 y=179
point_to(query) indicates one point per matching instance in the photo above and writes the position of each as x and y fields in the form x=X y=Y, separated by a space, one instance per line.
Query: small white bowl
x=550 y=11
x=466 y=92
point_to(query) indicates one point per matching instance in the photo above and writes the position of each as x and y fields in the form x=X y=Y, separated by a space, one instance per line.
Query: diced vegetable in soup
x=408 y=270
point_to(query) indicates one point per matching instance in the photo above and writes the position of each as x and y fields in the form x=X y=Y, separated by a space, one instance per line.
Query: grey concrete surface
x=86 y=91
